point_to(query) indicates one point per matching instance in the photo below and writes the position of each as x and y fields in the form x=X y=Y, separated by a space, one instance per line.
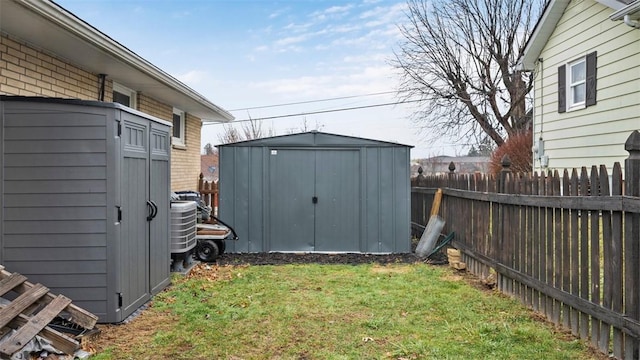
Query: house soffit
x=54 y=30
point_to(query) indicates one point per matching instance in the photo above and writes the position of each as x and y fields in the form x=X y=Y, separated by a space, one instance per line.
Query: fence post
x=420 y=177
x=632 y=239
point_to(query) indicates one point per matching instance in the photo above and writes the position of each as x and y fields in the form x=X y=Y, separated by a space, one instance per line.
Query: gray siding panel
x=55 y=253
x=33 y=269
x=226 y=205
x=372 y=237
x=50 y=118
x=55 y=213
x=241 y=197
x=385 y=200
x=54 y=227
x=55 y=186
x=63 y=240
x=58 y=133
x=256 y=197
x=47 y=159
x=37 y=200
x=35 y=146
x=72 y=280
x=57 y=173
x=402 y=208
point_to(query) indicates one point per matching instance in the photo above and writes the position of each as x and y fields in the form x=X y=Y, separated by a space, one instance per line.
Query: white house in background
x=586 y=56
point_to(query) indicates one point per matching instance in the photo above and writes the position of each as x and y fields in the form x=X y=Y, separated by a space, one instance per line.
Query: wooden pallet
x=32 y=309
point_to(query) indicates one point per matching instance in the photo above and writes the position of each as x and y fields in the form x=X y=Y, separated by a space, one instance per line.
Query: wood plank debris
x=32 y=309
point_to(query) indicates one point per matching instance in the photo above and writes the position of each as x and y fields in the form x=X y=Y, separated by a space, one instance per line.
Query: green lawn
x=399 y=311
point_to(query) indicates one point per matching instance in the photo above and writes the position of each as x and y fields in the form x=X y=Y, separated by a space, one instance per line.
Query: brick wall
x=186 y=161
x=27 y=71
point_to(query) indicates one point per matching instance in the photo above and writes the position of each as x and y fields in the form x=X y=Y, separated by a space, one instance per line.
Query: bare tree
x=305 y=127
x=458 y=58
x=230 y=135
x=209 y=149
x=249 y=130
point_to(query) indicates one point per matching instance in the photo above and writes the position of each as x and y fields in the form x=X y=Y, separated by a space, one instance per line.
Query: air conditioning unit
x=184 y=216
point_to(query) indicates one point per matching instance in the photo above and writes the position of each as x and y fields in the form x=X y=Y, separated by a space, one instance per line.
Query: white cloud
x=290 y=40
x=277 y=13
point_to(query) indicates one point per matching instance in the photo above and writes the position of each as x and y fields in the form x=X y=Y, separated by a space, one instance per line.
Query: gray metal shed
x=316 y=192
x=80 y=182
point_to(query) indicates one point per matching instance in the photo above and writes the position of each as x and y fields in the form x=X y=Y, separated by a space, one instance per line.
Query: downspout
x=632 y=23
x=102 y=78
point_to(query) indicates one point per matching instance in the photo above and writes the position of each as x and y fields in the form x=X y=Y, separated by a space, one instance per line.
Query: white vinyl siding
x=594 y=135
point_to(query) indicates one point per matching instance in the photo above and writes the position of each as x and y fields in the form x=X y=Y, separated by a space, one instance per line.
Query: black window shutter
x=562 y=89
x=591 y=79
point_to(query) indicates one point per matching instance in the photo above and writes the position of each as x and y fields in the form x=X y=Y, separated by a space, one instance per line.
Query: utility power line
x=317 y=112
x=314 y=101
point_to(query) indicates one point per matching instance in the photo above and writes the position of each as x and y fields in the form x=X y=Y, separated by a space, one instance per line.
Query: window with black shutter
x=577 y=83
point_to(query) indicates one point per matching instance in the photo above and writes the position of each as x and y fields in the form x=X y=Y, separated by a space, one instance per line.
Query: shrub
x=518 y=147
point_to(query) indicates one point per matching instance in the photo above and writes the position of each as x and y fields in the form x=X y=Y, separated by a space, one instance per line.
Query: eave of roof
x=542 y=32
x=58 y=31
x=632 y=10
x=546 y=25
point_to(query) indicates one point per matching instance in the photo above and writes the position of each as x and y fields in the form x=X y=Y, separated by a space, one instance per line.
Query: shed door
x=159 y=185
x=133 y=256
x=314 y=200
x=338 y=208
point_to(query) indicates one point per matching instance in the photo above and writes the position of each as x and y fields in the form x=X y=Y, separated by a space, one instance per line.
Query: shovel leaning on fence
x=427 y=244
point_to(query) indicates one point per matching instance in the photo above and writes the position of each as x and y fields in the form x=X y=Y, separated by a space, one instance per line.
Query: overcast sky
x=247 y=54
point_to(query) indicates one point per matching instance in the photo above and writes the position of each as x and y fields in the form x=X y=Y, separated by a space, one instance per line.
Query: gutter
x=74 y=25
x=629 y=14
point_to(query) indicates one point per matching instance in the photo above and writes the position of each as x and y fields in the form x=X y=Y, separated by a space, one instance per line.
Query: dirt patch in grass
x=137 y=333
x=379 y=269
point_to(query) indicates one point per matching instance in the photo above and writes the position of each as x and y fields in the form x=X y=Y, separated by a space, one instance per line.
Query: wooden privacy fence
x=568 y=246
x=209 y=192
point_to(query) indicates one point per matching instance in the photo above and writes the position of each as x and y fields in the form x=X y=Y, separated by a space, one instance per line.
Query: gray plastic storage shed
x=316 y=192
x=80 y=183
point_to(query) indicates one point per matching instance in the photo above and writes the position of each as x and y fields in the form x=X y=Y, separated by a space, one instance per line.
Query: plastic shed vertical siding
x=76 y=178
x=316 y=192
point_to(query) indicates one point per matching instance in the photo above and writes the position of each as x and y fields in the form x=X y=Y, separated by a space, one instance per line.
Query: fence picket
x=536 y=246
x=595 y=256
x=557 y=247
x=584 y=253
x=575 y=254
x=607 y=295
x=549 y=226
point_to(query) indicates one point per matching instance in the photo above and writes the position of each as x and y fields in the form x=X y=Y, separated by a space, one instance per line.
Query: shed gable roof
x=314 y=139
x=56 y=30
